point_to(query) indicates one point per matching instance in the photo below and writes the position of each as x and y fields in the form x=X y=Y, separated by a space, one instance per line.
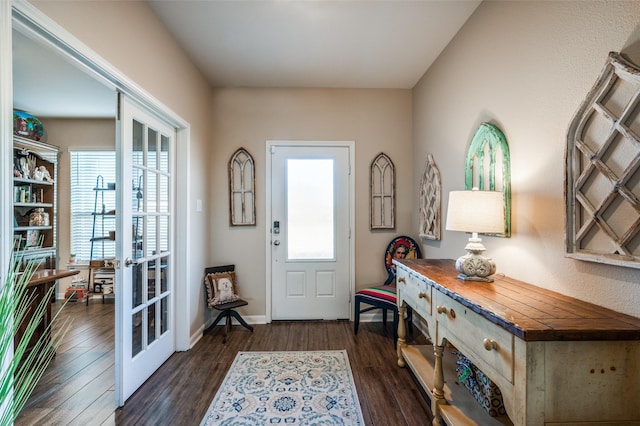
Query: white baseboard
x=195 y=337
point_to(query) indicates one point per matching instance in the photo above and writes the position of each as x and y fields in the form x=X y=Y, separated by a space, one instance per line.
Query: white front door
x=145 y=335
x=310 y=219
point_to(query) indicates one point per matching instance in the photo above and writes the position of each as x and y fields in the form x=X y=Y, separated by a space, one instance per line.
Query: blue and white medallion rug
x=287 y=388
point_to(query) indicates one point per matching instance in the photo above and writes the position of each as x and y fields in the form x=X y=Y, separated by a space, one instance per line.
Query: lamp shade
x=476 y=211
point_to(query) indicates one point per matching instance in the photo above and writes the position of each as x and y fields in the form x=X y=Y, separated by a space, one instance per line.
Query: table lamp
x=475 y=211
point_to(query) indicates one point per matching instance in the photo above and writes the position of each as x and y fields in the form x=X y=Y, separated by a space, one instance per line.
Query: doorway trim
x=25 y=17
x=270 y=146
x=6 y=139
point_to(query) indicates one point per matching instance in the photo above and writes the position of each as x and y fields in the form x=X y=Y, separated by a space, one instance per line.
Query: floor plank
x=78 y=387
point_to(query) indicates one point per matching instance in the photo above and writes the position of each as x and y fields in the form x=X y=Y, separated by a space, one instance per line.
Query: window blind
x=86 y=167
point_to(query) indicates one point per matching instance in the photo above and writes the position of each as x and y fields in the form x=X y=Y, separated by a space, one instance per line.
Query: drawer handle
x=402 y=280
x=442 y=310
x=423 y=295
x=490 y=345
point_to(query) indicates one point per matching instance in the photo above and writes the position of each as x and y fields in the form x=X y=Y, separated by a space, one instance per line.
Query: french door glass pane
x=163 y=201
x=153 y=275
x=310 y=209
x=138 y=143
x=152 y=191
x=138 y=229
x=164 y=317
x=163 y=222
x=137 y=188
x=163 y=160
x=137 y=285
x=136 y=333
x=164 y=273
x=152 y=146
x=151 y=323
x=151 y=235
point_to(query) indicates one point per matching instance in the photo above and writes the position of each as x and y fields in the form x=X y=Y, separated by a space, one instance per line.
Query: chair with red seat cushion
x=384 y=296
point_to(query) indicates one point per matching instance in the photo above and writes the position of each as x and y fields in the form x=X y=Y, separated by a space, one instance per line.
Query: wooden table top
x=47 y=275
x=527 y=311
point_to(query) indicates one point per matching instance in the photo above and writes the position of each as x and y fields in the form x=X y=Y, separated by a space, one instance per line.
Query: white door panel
x=311 y=259
x=144 y=240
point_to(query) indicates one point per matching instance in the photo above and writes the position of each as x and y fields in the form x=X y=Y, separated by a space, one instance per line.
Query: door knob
x=128 y=262
x=276 y=242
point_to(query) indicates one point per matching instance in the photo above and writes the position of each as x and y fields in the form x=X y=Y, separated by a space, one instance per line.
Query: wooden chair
x=384 y=296
x=222 y=295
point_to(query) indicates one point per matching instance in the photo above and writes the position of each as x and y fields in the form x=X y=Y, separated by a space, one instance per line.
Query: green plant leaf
x=21 y=373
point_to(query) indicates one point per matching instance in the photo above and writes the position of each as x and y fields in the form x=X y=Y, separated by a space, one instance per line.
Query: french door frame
x=270 y=146
x=28 y=19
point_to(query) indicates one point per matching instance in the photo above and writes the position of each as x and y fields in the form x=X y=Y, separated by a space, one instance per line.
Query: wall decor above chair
x=430 y=201
x=383 y=193
x=602 y=176
x=488 y=167
x=242 y=183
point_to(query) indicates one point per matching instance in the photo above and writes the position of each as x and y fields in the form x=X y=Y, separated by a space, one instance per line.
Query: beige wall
x=377 y=120
x=526 y=67
x=65 y=134
x=129 y=37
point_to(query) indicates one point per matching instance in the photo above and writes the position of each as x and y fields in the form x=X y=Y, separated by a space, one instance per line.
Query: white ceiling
x=266 y=43
x=46 y=84
x=340 y=44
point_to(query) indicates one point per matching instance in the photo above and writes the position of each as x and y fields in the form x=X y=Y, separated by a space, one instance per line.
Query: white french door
x=145 y=335
x=311 y=212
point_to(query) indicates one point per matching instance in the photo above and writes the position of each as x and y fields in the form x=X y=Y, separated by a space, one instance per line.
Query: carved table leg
x=402 y=333
x=438 y=382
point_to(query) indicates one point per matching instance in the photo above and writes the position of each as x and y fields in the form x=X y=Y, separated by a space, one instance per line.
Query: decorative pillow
x=221 y=288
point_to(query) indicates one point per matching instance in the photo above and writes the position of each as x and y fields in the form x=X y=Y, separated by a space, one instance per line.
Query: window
x=310 y=209
x=86 y=166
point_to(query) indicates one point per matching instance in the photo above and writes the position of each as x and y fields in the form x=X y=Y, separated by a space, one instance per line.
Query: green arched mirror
x=488 y=168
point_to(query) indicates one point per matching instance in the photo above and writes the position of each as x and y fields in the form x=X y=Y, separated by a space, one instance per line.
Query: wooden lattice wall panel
x=430 y=201
x=603 y=169
x=242 y=195
x=383 y=193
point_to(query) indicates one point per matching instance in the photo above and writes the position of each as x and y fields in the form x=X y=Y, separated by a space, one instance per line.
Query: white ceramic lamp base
x=473 y=266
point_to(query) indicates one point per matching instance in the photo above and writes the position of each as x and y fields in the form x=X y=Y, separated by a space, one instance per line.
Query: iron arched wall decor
x=602 y=169
x=242 y=183
x=488 y=167
x=430 y=201
x=383 y=193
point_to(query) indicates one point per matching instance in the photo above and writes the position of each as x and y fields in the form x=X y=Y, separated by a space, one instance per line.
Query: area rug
x=287 y=388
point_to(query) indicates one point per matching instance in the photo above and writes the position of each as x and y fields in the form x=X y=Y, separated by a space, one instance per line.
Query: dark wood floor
x=78 y=387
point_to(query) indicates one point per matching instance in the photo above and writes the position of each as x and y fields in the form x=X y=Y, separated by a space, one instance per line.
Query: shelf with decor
x=102 y=273
x=35 y=194
x=103 y=229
